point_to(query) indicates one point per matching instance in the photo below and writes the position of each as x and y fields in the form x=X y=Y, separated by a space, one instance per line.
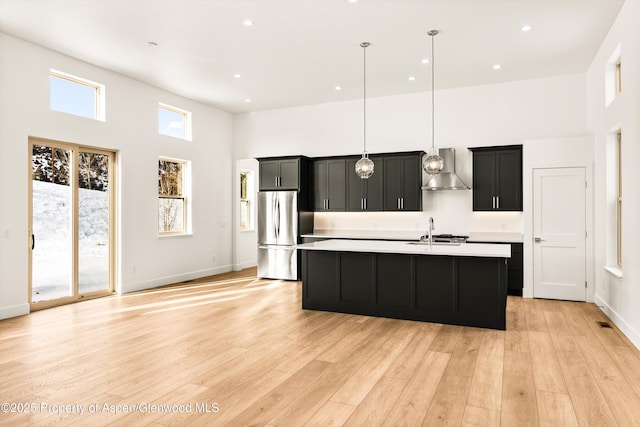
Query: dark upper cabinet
x=365 y=194
x=329 y=185
x=285 y=173
x=403 y=182
x=497 y=178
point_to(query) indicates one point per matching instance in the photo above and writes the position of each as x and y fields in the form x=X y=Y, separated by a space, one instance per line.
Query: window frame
x=619 y=198
x=247 y=200
x=184 y=197
x=187 y=119
x=99 y=88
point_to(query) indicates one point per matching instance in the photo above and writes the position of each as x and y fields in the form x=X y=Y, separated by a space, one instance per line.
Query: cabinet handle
x=493 y=202
x=365 y=204
x=276 y=179
x=497 y=202
x=327 y=204
x=398 y=203
x=402 y=203
x=361 y=204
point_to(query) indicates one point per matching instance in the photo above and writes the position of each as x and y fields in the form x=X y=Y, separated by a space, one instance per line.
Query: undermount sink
x=435 y=243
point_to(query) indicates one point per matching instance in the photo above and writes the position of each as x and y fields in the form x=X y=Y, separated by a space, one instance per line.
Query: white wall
x=619 y=298
x=144 y=260
x=499 y=114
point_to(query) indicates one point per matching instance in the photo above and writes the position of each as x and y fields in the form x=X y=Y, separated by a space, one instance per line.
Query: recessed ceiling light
x=412 y=78
x=497 y=66
x=152 y=44
x=425 y=61
x=247 y=100
x=237 y=76
x=338 y=87
x=248 y=23
x=525 y=28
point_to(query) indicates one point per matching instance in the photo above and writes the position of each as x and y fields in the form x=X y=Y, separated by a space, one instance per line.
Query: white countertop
x=367 y=234
x=403 y=247
x=498 y=237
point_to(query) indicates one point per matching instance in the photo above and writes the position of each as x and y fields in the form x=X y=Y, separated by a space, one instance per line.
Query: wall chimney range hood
x=447 y=179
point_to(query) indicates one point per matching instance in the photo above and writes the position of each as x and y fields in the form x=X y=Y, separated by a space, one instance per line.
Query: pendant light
x=433 y=163
x=364 y=166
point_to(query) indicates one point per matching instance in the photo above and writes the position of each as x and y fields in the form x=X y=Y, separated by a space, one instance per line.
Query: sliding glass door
x=72 y=248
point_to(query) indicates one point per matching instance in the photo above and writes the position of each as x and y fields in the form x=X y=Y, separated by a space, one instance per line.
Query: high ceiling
x=298 y=51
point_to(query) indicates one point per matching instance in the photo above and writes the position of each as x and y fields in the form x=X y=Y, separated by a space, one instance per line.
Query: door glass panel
x=52 y=256
x=93 y=222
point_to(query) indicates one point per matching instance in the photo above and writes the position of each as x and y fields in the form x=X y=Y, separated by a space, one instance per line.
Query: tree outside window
x=171 y=196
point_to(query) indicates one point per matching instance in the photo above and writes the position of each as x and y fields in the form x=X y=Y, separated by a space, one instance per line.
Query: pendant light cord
x=433 y=102
x=364 y=98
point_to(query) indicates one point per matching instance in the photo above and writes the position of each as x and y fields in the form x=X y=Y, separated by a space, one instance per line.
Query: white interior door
x=559 y=230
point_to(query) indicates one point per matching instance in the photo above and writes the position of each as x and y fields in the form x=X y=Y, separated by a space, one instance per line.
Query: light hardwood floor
x=245 y=348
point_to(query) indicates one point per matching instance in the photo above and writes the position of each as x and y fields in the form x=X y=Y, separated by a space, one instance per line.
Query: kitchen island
x=462 y=284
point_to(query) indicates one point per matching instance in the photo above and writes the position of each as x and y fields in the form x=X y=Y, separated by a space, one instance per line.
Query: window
x=246 y=191
x=613 y=77
x=619 y=198
x=618 y=76
x=172 y=200
x=77 y=96
x=173 y=121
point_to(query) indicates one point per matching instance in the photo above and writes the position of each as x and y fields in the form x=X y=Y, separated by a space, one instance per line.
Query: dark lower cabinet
x=356 y=277
x=393 y=280
x=435 y=276
x=515 y=280
x=322 y=287
x=470 y=291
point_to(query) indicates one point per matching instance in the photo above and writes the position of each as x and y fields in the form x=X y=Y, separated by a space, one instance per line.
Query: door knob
x=538 y=240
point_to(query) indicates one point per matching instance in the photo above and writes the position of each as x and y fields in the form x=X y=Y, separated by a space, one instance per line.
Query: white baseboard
x=167 y=280
x=243 y=265
x=624 y=327
x=14 y=311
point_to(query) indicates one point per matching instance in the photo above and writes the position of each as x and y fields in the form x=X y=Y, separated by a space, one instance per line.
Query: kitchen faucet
x=429 y=235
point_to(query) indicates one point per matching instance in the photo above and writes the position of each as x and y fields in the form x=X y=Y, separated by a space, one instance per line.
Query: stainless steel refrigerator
x=278 y=234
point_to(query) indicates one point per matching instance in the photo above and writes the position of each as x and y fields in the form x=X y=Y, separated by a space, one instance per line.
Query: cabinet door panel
x=435 y=283
x=322 y=276
x=509 y=180
x=477 y=290
x=319 y=185
x=269 y=171
x=392 y=183
x=356 y=277
x=412 y=183
x=289 y=174
x=483 y=180
x=355 y=187
x=336 y=185
x=393 y=287
x=374 y=187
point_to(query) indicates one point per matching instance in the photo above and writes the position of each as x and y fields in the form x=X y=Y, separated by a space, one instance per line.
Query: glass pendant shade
x=364 y=166
x=433 y=164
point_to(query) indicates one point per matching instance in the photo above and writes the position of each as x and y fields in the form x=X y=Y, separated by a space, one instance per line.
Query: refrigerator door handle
x=277 y=218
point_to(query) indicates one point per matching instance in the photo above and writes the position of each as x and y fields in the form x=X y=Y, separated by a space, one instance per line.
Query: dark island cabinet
x=497 y=178
x=468 y=291
x=515 y=269
x=364 y=194
x=329 y=185
x=403 y=182
x=283 y=173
